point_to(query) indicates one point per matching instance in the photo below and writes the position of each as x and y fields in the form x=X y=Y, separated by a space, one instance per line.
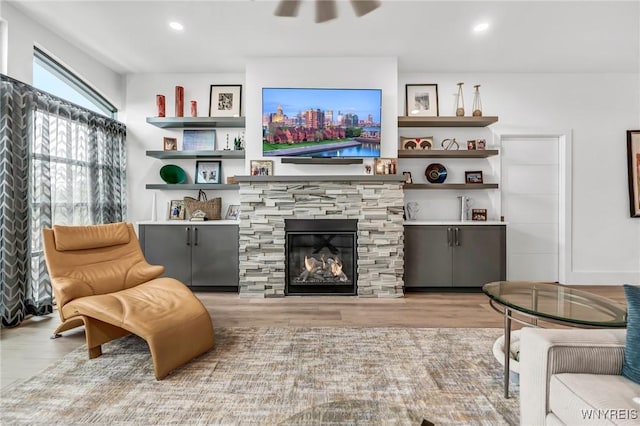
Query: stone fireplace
x=374 y=204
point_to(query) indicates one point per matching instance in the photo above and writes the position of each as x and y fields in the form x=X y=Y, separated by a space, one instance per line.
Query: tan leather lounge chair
x=101 y=280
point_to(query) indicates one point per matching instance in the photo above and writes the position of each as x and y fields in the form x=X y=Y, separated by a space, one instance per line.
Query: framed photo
x=421 y=100
x=261 y=168
x=198 y=140
x=416 y=143
x=473 y=177
x=481 y=144
x=176 y=210
x=232 y=212
x=170 y=144
x=207 y=171
x=479 y=214
x=224 y=101
x=385 y=166
x=407 y=177
x=633 y=152
x=471 y=145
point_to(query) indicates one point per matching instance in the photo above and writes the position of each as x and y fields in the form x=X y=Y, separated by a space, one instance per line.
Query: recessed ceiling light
x=481 y=27
x=176 y=26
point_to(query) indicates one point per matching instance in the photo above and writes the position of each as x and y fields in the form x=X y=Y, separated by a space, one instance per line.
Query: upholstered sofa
x=573 y=377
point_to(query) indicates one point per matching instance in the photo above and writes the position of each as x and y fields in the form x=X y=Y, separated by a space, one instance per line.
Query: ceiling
x=425 y=36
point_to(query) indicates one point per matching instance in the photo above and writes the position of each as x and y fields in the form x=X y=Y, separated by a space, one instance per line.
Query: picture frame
x=421 y=100
x=407 y=177
x=261 y=168
x=170 y=144
x=424 y=143
x=471 y=145
x=481 y=144
x=385 y=166
x=479 y=214
x=176 y=210
x=207 y=172
x=474 y=176
x=225 y=100
x=199 y=140
x=633 y=155
x=233 y=212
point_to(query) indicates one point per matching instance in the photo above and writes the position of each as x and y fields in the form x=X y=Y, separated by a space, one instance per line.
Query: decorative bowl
x=173 y=174
x=436 y=173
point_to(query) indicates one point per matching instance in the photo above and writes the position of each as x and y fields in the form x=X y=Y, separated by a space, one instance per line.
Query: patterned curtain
x=61 y=164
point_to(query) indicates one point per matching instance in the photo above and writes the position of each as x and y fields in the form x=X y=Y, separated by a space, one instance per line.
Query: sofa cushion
x=605 y=399
x=631 y=362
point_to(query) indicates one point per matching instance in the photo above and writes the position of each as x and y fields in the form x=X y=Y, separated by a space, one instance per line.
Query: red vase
x=160 y=105
x=179 y=101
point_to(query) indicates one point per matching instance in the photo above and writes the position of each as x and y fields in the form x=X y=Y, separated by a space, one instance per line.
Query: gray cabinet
x=454 y=255
x=198 y=255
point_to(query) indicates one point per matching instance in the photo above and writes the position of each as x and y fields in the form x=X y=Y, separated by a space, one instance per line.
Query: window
x=50 y=76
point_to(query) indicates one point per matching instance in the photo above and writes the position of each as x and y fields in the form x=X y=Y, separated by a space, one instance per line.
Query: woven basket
x=211 y=208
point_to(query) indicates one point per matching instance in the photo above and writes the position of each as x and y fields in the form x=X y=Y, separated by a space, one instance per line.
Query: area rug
x=276 y=376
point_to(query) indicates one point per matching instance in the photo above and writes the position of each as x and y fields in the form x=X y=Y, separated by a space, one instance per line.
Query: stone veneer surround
x=375 y=201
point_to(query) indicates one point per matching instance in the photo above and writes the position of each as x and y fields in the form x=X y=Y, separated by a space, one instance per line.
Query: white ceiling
x=426 y=36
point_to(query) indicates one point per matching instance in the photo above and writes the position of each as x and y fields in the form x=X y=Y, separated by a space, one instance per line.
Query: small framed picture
x=225 y=101
x=407 y=177
x=633 y=154
x=385 y=166
x=232 y=212
x=481 y=144
x=479 y=214
x=176 y=210
x=198 y=140
x=170 y=144
x=471 y=145
x=473 y=177
x=421 y=100
x=416 y=143
x=207 y=171
x=261 y=168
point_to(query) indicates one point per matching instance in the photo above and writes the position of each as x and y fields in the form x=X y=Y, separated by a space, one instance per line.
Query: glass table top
x=557 y=302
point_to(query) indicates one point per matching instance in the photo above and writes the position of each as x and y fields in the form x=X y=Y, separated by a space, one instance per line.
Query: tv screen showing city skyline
x=321 y=122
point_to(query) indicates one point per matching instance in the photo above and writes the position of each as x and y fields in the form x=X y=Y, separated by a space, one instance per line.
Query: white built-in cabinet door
x=530 y=204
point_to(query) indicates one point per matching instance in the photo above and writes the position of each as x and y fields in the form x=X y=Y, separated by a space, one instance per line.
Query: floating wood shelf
x=195 y=122
x=457 y=186
x=446 y=121
x=190 y=186
x=442 y=153
x=163 y=155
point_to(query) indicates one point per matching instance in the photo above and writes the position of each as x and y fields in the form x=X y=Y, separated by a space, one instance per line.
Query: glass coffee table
x=530 y=302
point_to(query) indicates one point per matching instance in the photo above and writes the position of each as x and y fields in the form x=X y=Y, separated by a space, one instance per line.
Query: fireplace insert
x=320 y=256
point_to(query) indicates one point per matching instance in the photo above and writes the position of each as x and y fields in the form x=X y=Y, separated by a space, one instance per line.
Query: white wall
x=596 y=110
x=22 y=34
x=141 y=170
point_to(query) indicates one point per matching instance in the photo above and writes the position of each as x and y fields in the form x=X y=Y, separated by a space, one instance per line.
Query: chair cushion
x=145 y=310
x=631 y=363
x=69 y=238
x=572 y=396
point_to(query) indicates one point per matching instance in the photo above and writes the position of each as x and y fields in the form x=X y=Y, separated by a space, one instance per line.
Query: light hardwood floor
x=27 y=349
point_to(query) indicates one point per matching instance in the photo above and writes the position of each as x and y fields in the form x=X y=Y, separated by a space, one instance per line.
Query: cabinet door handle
x=188 y=235
x=449 y=237
x=457 y=236
x=195 y=237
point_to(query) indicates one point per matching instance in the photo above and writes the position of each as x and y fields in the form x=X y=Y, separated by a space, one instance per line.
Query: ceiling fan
x=325 y=9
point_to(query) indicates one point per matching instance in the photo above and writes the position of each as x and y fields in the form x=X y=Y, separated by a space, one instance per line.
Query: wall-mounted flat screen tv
x=306 y=122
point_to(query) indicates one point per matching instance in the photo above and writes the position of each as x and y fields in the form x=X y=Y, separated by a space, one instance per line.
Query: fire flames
x=329 y=269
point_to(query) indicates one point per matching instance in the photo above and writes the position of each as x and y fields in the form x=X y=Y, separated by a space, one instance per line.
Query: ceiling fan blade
x=362 y=7
x=287 y=8
x=325 y=10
